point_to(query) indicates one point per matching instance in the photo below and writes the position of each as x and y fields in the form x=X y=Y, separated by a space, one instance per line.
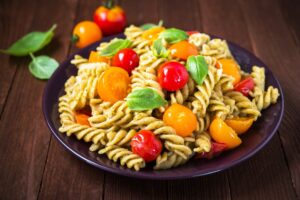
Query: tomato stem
x=109 y=3
x=74 y=38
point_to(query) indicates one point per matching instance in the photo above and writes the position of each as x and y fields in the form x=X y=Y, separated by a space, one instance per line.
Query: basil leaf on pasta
x=115 y=46
x=30 y=43
x=144 y=99
x=159 y=49
x=173 y=35
x=198 y=68
x=42 y=67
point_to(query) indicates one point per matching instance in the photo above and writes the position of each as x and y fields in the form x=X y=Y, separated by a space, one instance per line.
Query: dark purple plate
x=256 y=138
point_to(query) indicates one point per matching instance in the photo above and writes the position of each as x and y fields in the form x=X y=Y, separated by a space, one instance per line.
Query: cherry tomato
x=113 y=84
x=192 y=32
x=111 y=21
x=95 y=57
x=231 y=68
x=172 y=76
x=85 y=33
x=183 y=50
x=181 y=119
x=216 y=149
x=152 y=33
x=240 y=125
x=146 y=145
x=245 y=86
x=126 y=59
x=223 y=133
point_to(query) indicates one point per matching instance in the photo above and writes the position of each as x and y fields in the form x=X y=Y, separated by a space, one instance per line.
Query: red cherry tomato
x=245 y=86
x=192 y=32
x=172 y=76
x=146 y=145
x=216 y=149
x=126 y=59
x=111 y=21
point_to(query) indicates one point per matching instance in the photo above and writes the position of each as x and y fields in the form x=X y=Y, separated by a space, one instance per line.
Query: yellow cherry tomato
x=181 y=119
x=85 y=33
x=240 y=125
x=231 y=68
x=113 y=84
x=183 y=50
x=153 y=33
x=95 y=57
x=222 y=133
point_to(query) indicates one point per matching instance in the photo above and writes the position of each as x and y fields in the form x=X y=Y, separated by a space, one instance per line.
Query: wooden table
x=34 y=165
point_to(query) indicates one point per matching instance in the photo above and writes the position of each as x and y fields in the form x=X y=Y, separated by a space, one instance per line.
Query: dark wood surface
x=33 y=165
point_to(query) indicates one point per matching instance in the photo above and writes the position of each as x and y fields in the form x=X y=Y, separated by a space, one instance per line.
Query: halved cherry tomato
x=230 y=67
x=152 y=33
x=146 y=145
x=95 y=57
x=245 y=86
x=172 y=76
x=183 y=50
x=111 y=21
x=126 y=59
x=223 y=133
x=113 y=84
x=216 y=149
x=82 y=118
x=182 y=119
x=240 y=125
x=85 y=33
x=192 y=32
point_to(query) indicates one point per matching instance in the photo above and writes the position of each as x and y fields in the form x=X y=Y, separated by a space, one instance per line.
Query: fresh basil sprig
x=150 y=25
x=144 y=99
x=198 y=68
x=30 y=43
x=159 y=49
x=115 y=46
x=173 y=35
x=42 y=67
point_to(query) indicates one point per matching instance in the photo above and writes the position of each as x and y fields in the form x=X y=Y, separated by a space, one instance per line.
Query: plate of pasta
x=163 y=103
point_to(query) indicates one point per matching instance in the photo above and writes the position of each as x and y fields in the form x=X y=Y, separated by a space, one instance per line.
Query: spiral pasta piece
x=258 y=75
x=168 y=160
x=125 y=157
x=216 y=48
x=78 y=60
x=198 y=39
x=263 y=99
x=203 y=94
x=217 y=107
x=180 y=96
x=203 y=143
x=121 y=137
x=139 y=44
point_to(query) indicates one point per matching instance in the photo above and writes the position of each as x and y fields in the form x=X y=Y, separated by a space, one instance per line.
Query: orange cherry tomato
x=222 y=133
x=82 y=118
x=85 y=33
x=153 y=33
x=231 y=68
x=95 y=57
x=181 y=119
x=113 y=84
x=240 y=125
x=183 y=50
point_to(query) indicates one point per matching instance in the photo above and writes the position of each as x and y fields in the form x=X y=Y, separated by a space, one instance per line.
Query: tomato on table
x=96 y=57
x=245 y=86
x=113 y=85
x=183 y=50
x=223 y=133
x=182 y=119
x=231 y=68
x=152 y=33
x=240 y=124
x=146 y=145
x=111 y=19
x=126 y=59
x=85 y=33
x=172 y=76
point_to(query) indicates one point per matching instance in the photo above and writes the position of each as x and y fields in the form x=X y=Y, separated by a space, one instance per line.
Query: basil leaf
x=42 y=67
x=150 y=25
x=198 y=68
x=115 y=46
x=173 y=35
x=144 y=99
x=159 y=49
x=30 y=43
